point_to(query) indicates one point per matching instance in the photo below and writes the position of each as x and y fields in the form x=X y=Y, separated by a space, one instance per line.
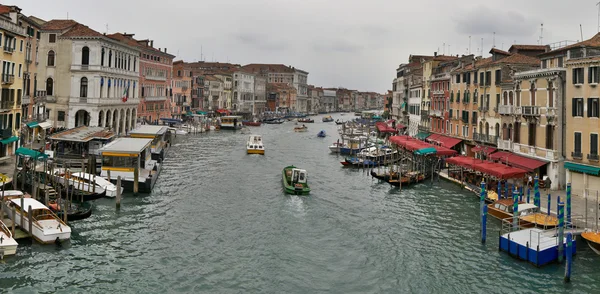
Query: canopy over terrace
x=412 y=144
x=493 y=169
x=384 y=128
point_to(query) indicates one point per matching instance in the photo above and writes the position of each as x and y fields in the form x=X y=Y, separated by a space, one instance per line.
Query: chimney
x=434 y=54
x=152 y=43
x=165 y=50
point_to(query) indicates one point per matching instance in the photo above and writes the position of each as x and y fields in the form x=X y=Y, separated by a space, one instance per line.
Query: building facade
x=243 y=92
x=182 y=90
x=282 y=74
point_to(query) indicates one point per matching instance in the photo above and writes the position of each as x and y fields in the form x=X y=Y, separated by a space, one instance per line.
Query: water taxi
x=327 y=118
x=529 y=214
x=295 y=181
x=593 y=240
x=255 y=145
x=231 y=122
x=302 y=128
x=47 y=228
x=160 y=138
x=8 y=245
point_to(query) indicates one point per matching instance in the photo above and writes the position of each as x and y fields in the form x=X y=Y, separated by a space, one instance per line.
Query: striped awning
x=582 y=168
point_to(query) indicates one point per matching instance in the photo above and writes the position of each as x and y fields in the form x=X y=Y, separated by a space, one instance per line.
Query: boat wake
x=296 y=205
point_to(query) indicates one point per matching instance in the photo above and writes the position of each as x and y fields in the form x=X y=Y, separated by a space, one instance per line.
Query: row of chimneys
x=144 y=42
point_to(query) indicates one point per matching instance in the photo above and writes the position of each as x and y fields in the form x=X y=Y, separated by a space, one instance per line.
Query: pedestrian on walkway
x=530 y=181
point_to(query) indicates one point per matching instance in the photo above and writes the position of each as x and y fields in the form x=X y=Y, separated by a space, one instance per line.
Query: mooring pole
x=569 y=263
x=515 y=209
x=118 y=192
x=550 y=202
x=568 y=202
x=483 y=211
x=561 y=229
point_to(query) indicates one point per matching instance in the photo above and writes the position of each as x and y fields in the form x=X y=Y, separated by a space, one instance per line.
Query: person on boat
x=303 y=126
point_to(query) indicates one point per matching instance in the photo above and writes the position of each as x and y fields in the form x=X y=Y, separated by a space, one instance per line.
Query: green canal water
x=218 y=222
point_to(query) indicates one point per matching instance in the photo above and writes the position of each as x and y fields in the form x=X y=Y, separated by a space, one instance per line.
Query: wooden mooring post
x=14 y=218
x=30 y=218
x=118 y=198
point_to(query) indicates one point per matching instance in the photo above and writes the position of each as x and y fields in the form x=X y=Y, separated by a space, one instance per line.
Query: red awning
x=526 y=163
x=223 y=111
x=485 y=149
x=494 y=169
x=391 y=121
x=468 y=162
x=384 y=128
x=412 y=144
x=444 y=141
x=400 y=126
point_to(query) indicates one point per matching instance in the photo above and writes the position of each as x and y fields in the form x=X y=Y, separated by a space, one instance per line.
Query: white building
x=89 y=78
x=301 y=85
x=414 y=111
x=243 y=92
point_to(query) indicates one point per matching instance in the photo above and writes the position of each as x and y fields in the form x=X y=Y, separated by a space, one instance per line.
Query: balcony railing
x=26 y=100
x=505 y=144
x=8 y=79
x=8 y=49
x=577 y=155
x=436 y=112
x=155 y=98
x=506 y=109
x=593 y=157
x=483 y=108
x=40 y=97
x=530 y=110
x=465 y=120
x=474 y=120
x=485 y=138
x=155 y=77
x=7 y=105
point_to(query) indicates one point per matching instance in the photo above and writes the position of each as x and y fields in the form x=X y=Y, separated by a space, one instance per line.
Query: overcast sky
x=354 y=44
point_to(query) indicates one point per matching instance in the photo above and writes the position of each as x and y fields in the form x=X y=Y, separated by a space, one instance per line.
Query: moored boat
x=111 y=189
x=322 y=134
x=295 y=181
x=8 y=245
x=337 y=146
x=303 y=128
x=274 y=121
x=46 y=226
x=84 y=189
x=327 y=118
x=251 y=123
x=75 y=211
x=593 y=240
x=306 y=120
x=255 y=145
x=529 y=214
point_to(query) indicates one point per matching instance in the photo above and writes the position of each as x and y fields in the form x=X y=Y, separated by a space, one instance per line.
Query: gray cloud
x=337 y=46
x=485 y=21
x=259 y=41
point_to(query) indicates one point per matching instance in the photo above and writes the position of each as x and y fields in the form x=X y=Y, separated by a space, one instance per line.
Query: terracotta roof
x=80 y=30
x=517 y=58
x=444 y=58
x=58 y=24
x=265 y=68
x=212 y=78
x=592 y=42
x=498 y=51
x=5 y=9
x=129 y=40
x=278 y=87
x=528 y=47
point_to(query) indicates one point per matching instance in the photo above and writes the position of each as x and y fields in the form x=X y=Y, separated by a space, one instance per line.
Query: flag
x=125 y=94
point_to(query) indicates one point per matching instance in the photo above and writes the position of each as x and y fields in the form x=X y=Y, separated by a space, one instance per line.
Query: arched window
x=83 y=89
x=533 y=89
x=102 y=57
x=109 y=58
x=49 y=87
x=85 y=56
x=51 y=56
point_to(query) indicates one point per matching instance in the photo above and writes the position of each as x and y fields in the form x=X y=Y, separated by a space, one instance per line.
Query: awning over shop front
x=223 y=111
x=484 y=149
x=32 y=124
x=422 y=135
x=526 y=163
x=400 y=126
x=582 y=168
x=442 y=140
x=412 y=144
x=45 y=125
x=22 y=151
x=201 y=112
x=9 y=140
x=384 y=128
x=494 y=169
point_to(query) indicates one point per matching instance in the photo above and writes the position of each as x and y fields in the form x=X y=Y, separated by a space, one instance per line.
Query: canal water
x=218 y=222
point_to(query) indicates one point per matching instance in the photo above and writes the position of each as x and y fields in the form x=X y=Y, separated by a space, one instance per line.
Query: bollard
x=536 y=192
x=118 y=192
x=30 y=218
x=568 y=204
x=569 y=263
x=528 y=194
x=484 y=224
x=561 y=229
x=550 y=202
x=515 y=209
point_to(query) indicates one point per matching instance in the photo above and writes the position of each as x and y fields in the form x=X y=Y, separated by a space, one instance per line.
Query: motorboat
x=8 y=245
x=306 y=120
x=337 y=146
x=295 y=181
x=529 y=214
x=322 y=134
x=255 y=145
x=593 y=240
x=111 y=189
x=327 y=118
x=302 y=128
x=81 y=185
x=75 y=210
x=46 y=226
x=251 y=123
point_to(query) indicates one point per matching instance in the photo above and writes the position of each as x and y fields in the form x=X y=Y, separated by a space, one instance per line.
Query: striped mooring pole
x=483 y=210
x=568 y=202
x=561 y=229
x=515 y=209
x=536 y=191
x=499 y=190
x=569 y=263
x=528 y=194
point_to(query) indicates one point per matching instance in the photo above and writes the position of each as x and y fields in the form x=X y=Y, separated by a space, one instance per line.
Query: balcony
x=483 y=108
x=99 y=101
x=7 y=105
x=535 y=151
x=530 y=110
x=506 y=110
x=26 y=100
x=40 y=97
x=593 y=157
x=505 y=144
x=51 y=99
x=435 y=112
x=577 y=155
x=8 y=49
x=465 y=120
x=155 y=98
x=485 y=138
x=155 y=77
x=8 y=79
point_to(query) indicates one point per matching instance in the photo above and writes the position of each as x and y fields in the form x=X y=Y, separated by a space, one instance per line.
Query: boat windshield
x=529 y=211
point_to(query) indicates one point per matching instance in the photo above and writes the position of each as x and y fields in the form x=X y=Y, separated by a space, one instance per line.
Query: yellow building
x=12 y=42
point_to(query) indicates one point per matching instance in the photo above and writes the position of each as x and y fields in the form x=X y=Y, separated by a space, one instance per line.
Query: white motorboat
x=255 y=145
x=8 y=245
x=80 y=181
x=111 y=189
x=336 y=146
x=181 y=132
x=46 y=227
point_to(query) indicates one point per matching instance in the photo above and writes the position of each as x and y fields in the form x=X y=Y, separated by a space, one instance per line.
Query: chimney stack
x=165 y=50
x=434 y=54
x=152 y=43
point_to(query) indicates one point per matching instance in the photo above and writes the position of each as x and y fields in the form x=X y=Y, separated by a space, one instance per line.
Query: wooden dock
x=19 y=233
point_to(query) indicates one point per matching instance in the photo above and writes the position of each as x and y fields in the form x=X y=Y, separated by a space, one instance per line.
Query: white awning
x=45 y=125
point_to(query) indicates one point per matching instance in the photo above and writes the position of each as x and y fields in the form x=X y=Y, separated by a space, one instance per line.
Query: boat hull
x=593 y=240
x=289 y=189
x=38 y=232
x=252 y=123
x=9 y=245
x=255 y=151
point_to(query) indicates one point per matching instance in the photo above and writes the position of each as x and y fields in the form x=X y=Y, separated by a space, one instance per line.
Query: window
x=134 y=62
x=517 y=137
x=458 y=78
x=592 y=107
x=560 y=61
x=577 y=76
x=577 y=109
x=594 y=144
x=550 y=96
x=475 y=77
x=549 y=137
x=51 y=57
x=109 y=58
x=49 y=87
x=532 y=90
x=85 y=56
x=84 y=87
x=61 y=116
x=498 y=77
x=102 y=57
x=52 y=38
x=545 y=63
x=532 y=128
x=178 y=73
x=20 y=66
x=577 y=142
x=488 y=78
x=21 y=46
x=593 y=75
x=497 y=101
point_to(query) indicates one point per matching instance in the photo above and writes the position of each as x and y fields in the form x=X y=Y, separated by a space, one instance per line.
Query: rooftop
x=58 y=24
x=149 y=130
x=83 y=134
x=127 y=145
x=592 y=42
x=266 y=68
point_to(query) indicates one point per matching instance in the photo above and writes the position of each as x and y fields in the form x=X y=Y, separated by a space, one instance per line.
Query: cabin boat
x=593 y=240
x=327 y=118
x=47 y=228
x=302 y=128
x=160 y=138
x=295 y=181
x=255 y=145
x=84 y=188
x=529 y=214
x=322 y=134
x=306 y=120
x=231 y=122
x=110 y=188
x=131 y=159
x=337 y=146
x=8 y=245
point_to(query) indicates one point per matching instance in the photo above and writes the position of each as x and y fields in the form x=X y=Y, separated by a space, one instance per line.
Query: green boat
x=295 y=181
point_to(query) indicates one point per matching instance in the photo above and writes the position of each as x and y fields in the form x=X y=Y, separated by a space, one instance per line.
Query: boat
x=327 y=118
x=529 y=214
x=8 y=245
x=78 y=185
x=181 y=132
x=274 y=121
x=245 y=130
x=322 y=134
x=338 y=122
x=337 y=146
x=251 y=123
x=593 y=240
x=231 y=122
x=303 y=128
x=111 y=189
x=47 y=228
x=306 y=120
x=75 y=211
x=407 y=178
x=295 y=181
x=255 y=145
